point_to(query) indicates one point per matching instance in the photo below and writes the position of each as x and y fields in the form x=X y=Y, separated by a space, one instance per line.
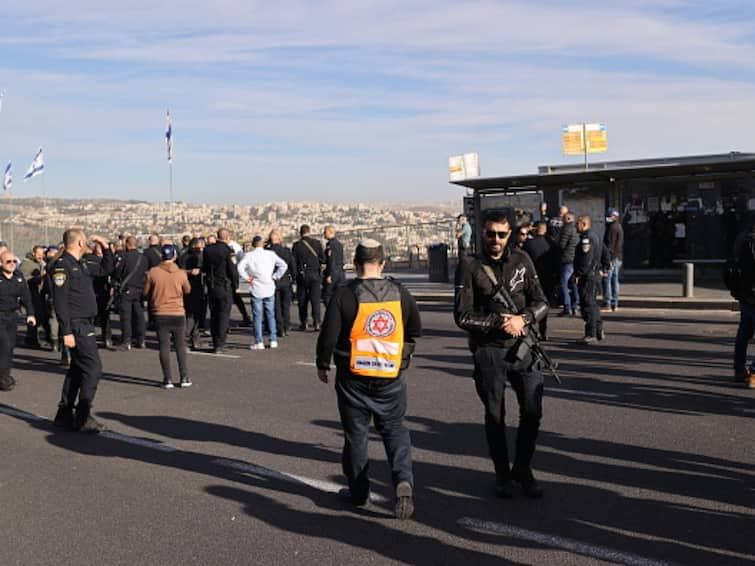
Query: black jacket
x=591 y=256
x=334 y=260
x=546 y=257
x=286 y=255
x=219 y=267
x=614 y=240
x=13 y=290
x=307 y=262
x=474 y=308
x=567 y=241
x=133 y=265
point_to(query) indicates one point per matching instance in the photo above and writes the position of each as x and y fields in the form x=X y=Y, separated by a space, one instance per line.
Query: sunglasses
x=501 y=235
x=11 y=261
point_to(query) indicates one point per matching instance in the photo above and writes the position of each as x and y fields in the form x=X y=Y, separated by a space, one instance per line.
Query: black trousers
x=195 y=306
x=384 y=400
x=328 y=289
x=220 y=315
x=7 y=343
x=588 y=299
x=168 y=326
x=308 y=289
x=238 y=300
x=132 y=317
x=103 y=316
x=491 y=371
x=283 y=299
x=85 y=372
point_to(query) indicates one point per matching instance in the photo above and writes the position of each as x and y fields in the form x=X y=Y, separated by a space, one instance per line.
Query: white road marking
x=309 y=364
x=214 y=355
x=321 y=485
x=599 y=552
x=21 y=414
x=748 y=411
x=153 y=444
x=578 y=392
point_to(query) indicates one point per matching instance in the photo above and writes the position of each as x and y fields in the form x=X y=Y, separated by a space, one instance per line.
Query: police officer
x=130 y=274
x=370 y=326
x=102 y=290
x=493 y=333
x=591 y=264
x=13 y=289
x=222 y=279
x=76 y=307
x=310 y=261
x=333 y=275
x=284 y=285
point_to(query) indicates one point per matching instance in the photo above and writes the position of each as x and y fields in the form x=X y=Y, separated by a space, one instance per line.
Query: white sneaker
x=273 y=344
x=167 y=385
x=257 y=346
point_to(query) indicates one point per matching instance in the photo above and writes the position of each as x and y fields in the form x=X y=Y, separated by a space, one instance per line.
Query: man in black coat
x=222 y=279
x=567 y=243
x=130 y=274
x=591 y=264
x=614 y=242
x=284 y=285
x=334 y=274
x=310 y=262
x=546 y=257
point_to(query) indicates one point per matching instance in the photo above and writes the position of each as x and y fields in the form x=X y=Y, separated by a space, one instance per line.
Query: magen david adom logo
x=380 y=324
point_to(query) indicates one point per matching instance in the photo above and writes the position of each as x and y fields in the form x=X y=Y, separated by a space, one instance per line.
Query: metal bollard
x=689 y=281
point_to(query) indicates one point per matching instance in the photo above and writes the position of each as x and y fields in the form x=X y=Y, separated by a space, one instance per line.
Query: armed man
x=496 y=334
x=76 y=307
x=222 y=279
x=130 y=275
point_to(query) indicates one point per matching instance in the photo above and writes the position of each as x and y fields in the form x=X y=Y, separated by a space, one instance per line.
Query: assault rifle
x=529 y=342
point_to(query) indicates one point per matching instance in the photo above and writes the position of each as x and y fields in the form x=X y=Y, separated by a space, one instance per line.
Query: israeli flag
x=37 y=166
x=7 y=178
x=169 y=137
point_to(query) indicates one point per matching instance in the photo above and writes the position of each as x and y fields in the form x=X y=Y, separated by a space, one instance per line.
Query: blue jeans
x=744 y=334
x=268 y=303
x=611 y=285
x=568 y=291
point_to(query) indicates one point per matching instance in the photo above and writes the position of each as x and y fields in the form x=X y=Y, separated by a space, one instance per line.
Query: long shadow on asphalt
x=595 y=515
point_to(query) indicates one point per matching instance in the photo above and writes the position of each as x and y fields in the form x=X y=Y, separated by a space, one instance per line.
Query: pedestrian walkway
x=657 y=293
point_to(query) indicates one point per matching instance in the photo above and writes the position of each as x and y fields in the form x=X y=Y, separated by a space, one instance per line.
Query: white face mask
x=609 y=219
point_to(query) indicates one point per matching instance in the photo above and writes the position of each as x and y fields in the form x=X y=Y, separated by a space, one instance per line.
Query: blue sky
x=358 y=101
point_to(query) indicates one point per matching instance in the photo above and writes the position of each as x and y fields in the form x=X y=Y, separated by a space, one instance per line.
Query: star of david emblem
x=380 y=324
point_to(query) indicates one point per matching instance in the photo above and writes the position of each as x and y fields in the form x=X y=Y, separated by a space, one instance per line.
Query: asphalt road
x=646 y=454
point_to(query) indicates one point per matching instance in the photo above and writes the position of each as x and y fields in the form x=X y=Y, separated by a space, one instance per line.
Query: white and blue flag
x=7 y=178
x=169 y=137
x=37 y=166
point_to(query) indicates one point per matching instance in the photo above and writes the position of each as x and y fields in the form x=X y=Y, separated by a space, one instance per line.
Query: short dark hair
x=304 y=230
x=496 y=216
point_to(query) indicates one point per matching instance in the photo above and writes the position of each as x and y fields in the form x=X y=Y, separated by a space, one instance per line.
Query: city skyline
x=357 y=102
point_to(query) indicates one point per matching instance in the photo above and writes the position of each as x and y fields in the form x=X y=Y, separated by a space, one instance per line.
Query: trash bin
x=437 y=263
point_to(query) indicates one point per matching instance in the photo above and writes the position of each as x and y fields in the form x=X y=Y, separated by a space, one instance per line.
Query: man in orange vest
x=369 y=330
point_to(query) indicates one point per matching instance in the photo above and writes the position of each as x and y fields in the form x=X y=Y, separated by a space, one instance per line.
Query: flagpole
x=10 y=227
x=170 y=168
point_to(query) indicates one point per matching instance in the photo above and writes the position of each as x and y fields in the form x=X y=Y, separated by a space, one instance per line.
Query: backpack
x=739 y=272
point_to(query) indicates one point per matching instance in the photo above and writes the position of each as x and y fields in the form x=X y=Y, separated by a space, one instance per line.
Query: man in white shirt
x=261 y=268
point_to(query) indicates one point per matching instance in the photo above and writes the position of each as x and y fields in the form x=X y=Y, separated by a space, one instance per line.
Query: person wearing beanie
x=166 y=286
x=369 y=329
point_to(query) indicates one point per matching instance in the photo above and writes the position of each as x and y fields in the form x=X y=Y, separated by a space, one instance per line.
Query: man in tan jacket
x=166 y=286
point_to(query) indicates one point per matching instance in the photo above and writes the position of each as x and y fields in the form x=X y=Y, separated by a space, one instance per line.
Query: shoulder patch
x=59 y=278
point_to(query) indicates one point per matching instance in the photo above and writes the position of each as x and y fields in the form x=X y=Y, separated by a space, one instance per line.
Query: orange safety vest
x=377 y=335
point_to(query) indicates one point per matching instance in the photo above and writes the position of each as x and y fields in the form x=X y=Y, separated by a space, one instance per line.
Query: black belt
x=89 y=320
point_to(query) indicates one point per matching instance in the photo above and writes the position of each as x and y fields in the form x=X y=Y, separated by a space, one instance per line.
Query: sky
x=358 y=100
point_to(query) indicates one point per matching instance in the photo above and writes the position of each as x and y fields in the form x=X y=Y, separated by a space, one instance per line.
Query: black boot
x=64 y=418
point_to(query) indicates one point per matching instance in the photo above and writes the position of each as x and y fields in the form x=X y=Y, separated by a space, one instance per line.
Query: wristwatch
x=526 y=318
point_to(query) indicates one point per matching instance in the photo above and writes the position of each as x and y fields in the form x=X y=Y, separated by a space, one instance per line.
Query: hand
x=513 y=324
x=195 y=271
x=69 y=341
x=31 y=320
x=322 y=374
x=99 y=240
x=328 y=280
x=250 y=280
x=604 y=274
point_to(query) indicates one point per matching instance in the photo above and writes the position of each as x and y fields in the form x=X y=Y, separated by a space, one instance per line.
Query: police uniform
x=476 y=312
x=369 y=329
x=76 y=308
x=309 y=257
x=222 y=279
x=333 y=269
x=195 y=303
x=13 y=290
x=284 y=289
x=590 y=258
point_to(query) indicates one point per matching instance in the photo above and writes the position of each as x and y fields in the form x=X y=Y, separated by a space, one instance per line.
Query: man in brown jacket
x=166 y=285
